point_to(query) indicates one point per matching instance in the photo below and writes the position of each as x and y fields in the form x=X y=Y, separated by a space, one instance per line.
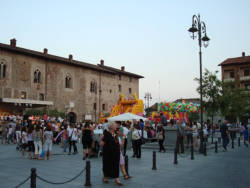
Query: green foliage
x=40 y=112
x=234 y=101
x=223 y=97
x=211 y=92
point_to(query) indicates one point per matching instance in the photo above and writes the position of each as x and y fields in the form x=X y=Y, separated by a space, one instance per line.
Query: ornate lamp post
x=147 y=98
x=199 y=27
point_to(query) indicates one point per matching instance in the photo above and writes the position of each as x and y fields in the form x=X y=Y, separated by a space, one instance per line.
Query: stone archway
x=71 y=117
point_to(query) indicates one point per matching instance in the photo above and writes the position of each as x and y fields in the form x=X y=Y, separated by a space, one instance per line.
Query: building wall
x=20 y=76
x=240 y=79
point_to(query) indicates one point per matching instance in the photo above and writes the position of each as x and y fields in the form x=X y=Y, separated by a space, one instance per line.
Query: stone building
x=38 y=79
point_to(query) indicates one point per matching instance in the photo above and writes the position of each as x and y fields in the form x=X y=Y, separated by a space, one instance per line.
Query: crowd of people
x=36 y=136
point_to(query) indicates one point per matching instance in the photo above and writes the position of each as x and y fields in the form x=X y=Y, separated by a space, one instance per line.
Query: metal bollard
x=232 y=143
x=126 y=164
x=87 y=181
x=192 y=152
x=239 y=141
x=33 y=178
x=219 y=140
x=216 y=147
x=205 y=149
x=154 y=161
x=175 y=156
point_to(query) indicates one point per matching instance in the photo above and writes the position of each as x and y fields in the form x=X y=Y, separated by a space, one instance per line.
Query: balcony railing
x=243 y=78
x=229 y=80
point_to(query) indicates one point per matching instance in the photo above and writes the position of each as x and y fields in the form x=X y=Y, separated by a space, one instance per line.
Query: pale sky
x=148 y=37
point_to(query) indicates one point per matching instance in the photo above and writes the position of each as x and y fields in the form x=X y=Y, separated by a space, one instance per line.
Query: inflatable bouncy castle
x=134 y=106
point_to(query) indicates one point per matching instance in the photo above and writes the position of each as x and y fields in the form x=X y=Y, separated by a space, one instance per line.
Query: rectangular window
x=246 y=72
x=94 y=106
x=23 y=95
x=129 y=90
x=41 y=97
x=103 y=107
x=231 y=74
x=120 y=77
x=119 y=88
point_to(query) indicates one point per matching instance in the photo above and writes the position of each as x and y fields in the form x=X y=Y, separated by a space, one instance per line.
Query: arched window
x=3 y=70
x=68 y=82
x=93 y=87
x=37 y=76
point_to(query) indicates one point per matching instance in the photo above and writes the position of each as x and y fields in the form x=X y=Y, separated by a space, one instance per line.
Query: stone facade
x=78 y=98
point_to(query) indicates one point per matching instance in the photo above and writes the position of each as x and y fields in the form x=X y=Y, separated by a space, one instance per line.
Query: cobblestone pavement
x=225 y=169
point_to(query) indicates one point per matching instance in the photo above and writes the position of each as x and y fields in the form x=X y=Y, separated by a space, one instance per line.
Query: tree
x=233 y=101
x=211 y=92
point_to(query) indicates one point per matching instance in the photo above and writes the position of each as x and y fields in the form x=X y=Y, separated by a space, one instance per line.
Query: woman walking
x=73 y=136
x=122 y=163
x=24 y=139
x=65 y=139
x=111 y=155
x=195 y=135
x=161 y=138
x=87 y=134
x=48 y=137
x=38 y=136
x=30 y=141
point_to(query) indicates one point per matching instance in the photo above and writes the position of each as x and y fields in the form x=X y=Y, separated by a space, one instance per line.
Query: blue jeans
x=65 y=143
x=225 y=141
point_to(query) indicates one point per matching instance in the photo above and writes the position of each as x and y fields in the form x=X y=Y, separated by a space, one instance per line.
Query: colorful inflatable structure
x=134 y=106
x=176 y=111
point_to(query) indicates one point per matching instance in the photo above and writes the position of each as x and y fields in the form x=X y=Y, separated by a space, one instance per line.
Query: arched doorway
x=71 y=117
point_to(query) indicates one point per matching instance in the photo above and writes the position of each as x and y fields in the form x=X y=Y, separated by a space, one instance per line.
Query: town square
x=124 y=93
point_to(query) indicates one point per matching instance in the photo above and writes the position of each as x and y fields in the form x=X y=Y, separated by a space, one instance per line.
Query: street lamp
x=147 y=98
x=199 y=27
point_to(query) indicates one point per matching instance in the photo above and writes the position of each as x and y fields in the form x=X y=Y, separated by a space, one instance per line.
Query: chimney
x=13 y=42
x=122 y=68
x=45 y=51
x=243 y=54
x=70 y=57
x=102 y=62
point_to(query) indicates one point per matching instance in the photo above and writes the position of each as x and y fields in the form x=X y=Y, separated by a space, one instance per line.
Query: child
x=245 y=135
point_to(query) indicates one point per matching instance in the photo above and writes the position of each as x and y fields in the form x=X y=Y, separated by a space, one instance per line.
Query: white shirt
x=145 y=134
x=24 y=137
x=55 y=127
x=75 y=134
x=105 y=126
x=69 y=130
x=137 y=134
x=10 y=130
x=125 y=132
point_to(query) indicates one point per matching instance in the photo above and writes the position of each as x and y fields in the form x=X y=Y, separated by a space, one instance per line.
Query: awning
x=27 y=101
x=126 y=117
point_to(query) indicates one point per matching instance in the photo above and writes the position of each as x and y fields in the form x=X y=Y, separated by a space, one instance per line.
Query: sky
x=148 y=37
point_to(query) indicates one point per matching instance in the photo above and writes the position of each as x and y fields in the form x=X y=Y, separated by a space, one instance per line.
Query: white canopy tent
x=126 y=117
